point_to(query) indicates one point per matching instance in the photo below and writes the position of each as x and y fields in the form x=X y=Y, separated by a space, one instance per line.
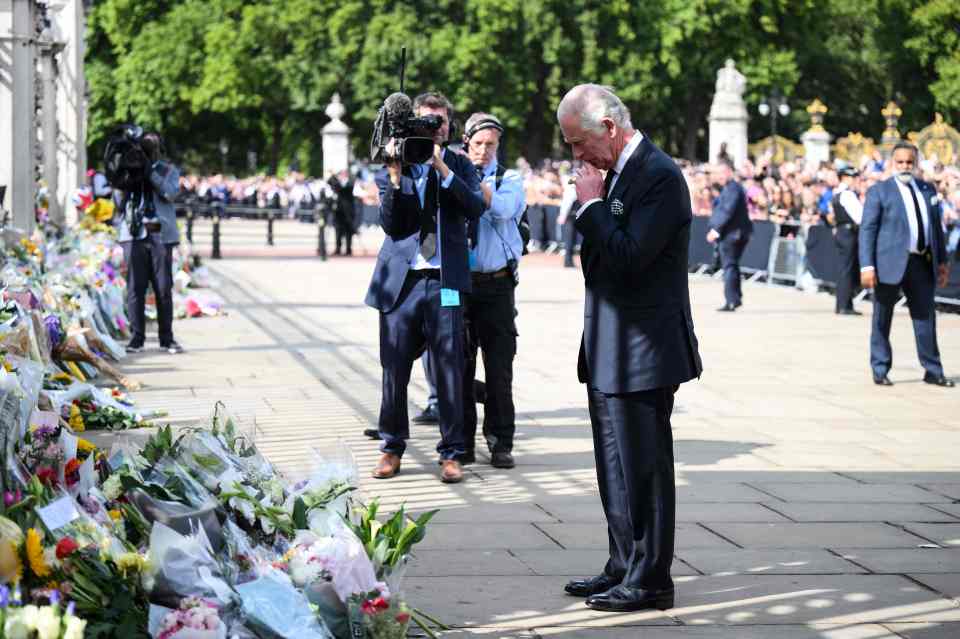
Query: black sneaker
x=430 y=415
x=173 y=348
x=501 y=459
x=135 y=347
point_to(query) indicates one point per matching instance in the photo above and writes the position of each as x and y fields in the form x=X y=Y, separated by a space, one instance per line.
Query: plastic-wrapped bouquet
x=196 y=618
x=378 y=615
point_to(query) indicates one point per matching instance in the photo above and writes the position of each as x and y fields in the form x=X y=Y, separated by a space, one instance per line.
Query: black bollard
x=215 y=253
x=270 y=229
x=321 y=237
x=190 y=224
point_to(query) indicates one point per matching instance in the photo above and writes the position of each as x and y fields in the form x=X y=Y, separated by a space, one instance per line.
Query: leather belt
x=848 y=225
x=153 y=227
x=486 y=277
x=424 y=273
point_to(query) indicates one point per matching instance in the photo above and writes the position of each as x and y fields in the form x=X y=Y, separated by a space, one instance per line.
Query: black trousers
x=491 y=328
x=848 y=273
x=731 y=249
x=571 y=239
x=919 y=285
x=344 y=238
x=419 y=321
x=633 y=445
x=149 y=261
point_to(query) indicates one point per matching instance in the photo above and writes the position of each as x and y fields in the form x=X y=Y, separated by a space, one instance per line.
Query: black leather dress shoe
x=848 y=311
x=727 y=308
x=501 y=459
x=372 y=433
x=428 y=416
x=590 y=586
x=625 y=599
x=938 y=381
x=882 y=381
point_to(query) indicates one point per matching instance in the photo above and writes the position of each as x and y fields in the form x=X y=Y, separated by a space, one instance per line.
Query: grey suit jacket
x=165 y=178
x=885 y=231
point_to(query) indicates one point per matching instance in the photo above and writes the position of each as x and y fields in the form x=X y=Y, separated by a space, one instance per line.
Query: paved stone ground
x=811 y=503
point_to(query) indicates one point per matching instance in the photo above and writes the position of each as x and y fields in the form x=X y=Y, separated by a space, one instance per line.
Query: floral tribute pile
x=190 y=534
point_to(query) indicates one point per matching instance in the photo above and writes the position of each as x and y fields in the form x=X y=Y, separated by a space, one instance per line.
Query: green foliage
x=390 y=541
x=259 y=73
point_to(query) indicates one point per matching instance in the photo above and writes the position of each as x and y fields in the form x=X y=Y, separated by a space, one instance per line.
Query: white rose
x=112 y=488
x=48 y=623
x=13 y=627
x=75 y=628
x=29 y=615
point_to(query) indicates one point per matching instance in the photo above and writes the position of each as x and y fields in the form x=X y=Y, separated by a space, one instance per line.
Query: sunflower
x=35 y=554
x=76 y=419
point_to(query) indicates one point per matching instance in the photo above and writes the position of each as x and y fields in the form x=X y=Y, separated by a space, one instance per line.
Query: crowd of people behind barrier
x=784 y=193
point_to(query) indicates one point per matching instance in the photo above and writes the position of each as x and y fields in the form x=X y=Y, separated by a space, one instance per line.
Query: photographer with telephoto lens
x=145 y=186
x=426 y=199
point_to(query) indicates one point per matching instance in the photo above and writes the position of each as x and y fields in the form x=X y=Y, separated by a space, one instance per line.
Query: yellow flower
x=76 y=419
x=115 y=514
x=85 y=446
x=7 y=366
x=35 y=554
x=60 y=376
x=132 y=562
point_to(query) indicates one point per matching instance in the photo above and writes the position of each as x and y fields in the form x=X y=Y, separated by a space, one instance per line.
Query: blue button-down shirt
x=421 y=173
x=498 y=238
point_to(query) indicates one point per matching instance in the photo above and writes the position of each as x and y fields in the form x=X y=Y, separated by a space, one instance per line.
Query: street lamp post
x=224 y=149
x=773 y=106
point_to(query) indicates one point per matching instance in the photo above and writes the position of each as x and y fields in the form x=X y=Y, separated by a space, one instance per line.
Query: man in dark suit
x=638 y=341
x=902 y=246
x=420 y=273
x=731 y=227
x=343 y=213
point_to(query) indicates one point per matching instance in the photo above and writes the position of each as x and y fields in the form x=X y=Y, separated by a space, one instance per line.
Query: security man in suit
x=638 y=340
x=847 y=213
x=343 y=212
x=730 y=225
x=902 y=246
x=495 y=250
x=421 y=272
x=147 y=231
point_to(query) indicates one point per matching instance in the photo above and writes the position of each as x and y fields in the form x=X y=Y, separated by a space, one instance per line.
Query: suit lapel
x=632 y=168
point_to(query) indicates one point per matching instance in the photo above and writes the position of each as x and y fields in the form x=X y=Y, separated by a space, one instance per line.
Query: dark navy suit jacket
x=637 y=326
x=400 y=214
x=730 y=212
x=885 y=231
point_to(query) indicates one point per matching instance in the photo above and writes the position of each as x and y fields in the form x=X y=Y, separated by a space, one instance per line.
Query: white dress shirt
x=617 y=169
x=912 y=216
x=851 y=203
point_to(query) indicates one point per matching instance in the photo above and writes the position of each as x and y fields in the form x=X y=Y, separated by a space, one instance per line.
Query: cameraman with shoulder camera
x=147 y=231
x=421 y=272
x=495 y=249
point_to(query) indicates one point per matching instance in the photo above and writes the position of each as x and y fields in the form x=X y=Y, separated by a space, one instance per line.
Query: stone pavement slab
x=767 y=562
x=827 y=535
x=784 y=423
x=943 y=534
x=947 y=584
x=916 y=560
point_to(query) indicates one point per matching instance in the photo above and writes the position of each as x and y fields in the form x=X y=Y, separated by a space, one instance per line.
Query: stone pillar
x=336 y=139
x=49 y=49
x=17 y=132
x=816 y=141
x=728 y=115
x=71 y=103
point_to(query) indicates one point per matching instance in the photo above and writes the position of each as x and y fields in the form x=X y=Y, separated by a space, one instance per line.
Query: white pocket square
x=616 y=207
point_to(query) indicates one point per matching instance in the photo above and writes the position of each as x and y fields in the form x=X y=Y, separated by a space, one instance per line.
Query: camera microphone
x=398 y=107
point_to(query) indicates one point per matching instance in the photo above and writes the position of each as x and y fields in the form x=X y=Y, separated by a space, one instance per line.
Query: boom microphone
x=398 y=107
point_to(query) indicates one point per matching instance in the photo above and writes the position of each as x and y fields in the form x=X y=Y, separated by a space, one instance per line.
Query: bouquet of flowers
x=195 y=618
x=378 y=615
x=43 y=622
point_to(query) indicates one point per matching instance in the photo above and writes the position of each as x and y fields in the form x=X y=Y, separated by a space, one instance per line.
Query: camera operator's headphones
x=484 y=123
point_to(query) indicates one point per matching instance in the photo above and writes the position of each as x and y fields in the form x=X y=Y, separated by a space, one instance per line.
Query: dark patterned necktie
x=428 y=221
x=921 y=233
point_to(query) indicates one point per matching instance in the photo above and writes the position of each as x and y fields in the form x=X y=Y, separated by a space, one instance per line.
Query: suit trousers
x=633 y=446
x=731 y=249
x=490 y=326
x=919 y=286
x=344 y=239
x=848 y=271
x=571 y=239
x=149 y=261
x=420 y=321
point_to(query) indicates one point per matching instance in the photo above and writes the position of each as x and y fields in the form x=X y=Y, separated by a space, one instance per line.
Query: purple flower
x=70 y=608
x=54 y=597
x=8 y=499
x=4 y=596
x=54 y=330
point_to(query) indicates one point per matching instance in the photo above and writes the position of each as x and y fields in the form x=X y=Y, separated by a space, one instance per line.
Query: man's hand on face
x=589 y=183
x=868 y=278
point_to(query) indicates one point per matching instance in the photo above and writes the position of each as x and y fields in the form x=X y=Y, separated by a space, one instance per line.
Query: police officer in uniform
x=495 y=249
x=847 y=213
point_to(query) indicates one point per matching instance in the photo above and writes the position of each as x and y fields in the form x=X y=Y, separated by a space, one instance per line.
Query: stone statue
x=728 y=116
x=730 y=81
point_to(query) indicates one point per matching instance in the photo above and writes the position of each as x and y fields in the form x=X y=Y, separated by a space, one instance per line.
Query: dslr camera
x=412 y=135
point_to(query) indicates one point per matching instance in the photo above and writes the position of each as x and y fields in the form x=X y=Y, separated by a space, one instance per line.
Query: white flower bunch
x=42 y=622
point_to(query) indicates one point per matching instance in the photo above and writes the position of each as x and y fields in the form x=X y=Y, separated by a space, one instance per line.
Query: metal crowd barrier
x=216 y=212
x=786 y=259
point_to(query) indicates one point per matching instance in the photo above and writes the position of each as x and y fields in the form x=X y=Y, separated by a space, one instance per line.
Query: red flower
x=72 y=472
x=402 y=617
x=66 y=547
x=47 y=476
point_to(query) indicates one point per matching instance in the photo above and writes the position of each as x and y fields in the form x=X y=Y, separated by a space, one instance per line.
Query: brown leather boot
x=452 y=472
x=387 y=467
